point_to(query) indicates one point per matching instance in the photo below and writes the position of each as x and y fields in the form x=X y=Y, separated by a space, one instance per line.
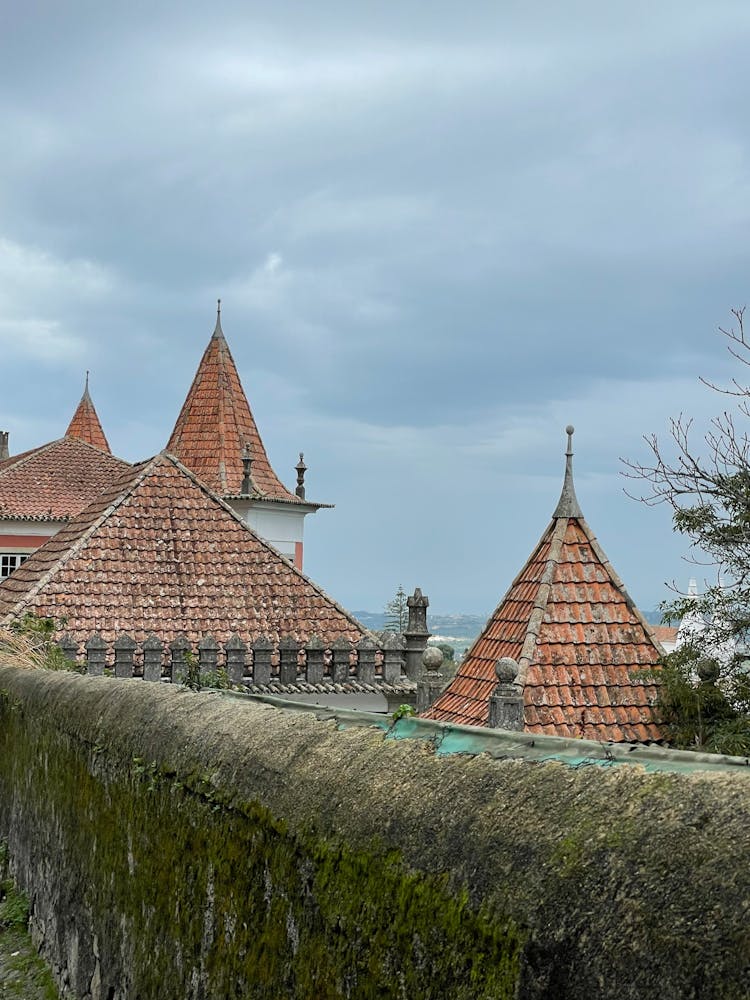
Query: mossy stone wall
x=185 y=845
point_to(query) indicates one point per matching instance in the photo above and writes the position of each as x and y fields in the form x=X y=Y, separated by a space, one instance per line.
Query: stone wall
x=189 y=845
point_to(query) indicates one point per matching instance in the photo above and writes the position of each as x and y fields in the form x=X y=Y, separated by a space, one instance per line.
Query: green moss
x=373 y=868
x=195 y=882
x=23 y=974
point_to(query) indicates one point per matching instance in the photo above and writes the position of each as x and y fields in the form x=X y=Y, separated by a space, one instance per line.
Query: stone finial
x=236 y=652
x=4 y=453
x=314 y=655
x=69 y=647
x=153 y=652
x=208 y=654
x=432 y=659
x=247 y=461
x=416 y=633
x=124 y=647
x=417 y=605
x=366 y=650
x=506 y=670
x=506 y=701
x=392 y=647
x=96 y=652
x=431 y=682
x=288 y=647
x=301 y=470
x=567 y=505
x=262 y=650
x=341 y=648
x=218 y=332
x=179 y=648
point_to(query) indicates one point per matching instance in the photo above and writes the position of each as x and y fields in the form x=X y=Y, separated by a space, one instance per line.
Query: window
x=10 y=561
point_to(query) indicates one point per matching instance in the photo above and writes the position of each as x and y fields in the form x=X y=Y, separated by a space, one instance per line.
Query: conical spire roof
x=577 y=637
x=85 y=424
x=216 y=426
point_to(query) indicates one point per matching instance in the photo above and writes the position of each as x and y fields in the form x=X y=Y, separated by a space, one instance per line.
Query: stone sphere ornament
x=506 y=669
x=432 y=658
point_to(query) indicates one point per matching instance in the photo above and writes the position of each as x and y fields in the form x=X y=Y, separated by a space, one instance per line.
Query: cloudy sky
x=440 y=233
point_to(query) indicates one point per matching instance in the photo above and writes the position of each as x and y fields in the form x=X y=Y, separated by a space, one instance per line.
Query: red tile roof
x=159 y=553
x=55 y=481
x=579 y=641
x=664 y=633
x=215 y=424
x=85 y=424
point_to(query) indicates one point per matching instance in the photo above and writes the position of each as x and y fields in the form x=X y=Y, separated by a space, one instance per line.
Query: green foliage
x=14 y=907
x=37 y=633
x=403 y=712
x=397 y=612
x=448 y=651
x=703 y=705
x=198 y=680
x=23 y=974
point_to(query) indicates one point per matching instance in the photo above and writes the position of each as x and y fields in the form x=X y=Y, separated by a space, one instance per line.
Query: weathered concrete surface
x=580 y=883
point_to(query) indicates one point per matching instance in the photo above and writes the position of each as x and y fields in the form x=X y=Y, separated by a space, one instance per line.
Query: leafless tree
x=708 y=489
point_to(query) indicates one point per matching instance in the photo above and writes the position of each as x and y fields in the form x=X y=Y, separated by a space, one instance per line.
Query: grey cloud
x=434 y=236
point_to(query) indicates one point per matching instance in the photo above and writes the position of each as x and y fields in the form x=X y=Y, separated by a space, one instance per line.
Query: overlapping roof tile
x=583 y=648
x=55 y=481
x=215 y=426
x=85 y=424
x=159 y=553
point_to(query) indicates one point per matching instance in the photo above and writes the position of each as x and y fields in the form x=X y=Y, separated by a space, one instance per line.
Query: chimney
x=4 y=445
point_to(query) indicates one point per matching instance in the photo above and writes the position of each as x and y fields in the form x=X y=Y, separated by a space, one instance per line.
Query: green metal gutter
x=503 y=745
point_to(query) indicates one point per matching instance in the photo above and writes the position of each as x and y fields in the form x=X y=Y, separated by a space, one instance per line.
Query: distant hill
x=457 y=630
x=652 y=617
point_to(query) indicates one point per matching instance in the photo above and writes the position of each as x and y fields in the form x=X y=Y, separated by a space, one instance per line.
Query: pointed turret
x=576 y=636
x=567 y=505
x=85 y=424
x=216 y=427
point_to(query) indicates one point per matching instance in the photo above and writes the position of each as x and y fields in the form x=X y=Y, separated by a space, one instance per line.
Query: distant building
x=42 y=489
x=158 y=552
x=666 y=636
x=575 y=639
x=217 y=438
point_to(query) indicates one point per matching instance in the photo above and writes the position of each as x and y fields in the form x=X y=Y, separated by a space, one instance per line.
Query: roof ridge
x=80 y=542
x=266 y=544
x=540 y=602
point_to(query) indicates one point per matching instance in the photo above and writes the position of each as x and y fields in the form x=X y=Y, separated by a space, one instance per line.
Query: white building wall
x=280 y=524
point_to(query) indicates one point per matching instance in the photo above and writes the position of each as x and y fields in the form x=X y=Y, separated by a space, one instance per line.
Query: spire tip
x=567 y=505
x=218 y=332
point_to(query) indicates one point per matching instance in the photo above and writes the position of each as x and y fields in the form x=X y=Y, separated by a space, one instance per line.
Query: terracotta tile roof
x=215 y=424
x=664 y=633
x=159 y=553
x=56 y=481
x=578 y=638
x=85 y=423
